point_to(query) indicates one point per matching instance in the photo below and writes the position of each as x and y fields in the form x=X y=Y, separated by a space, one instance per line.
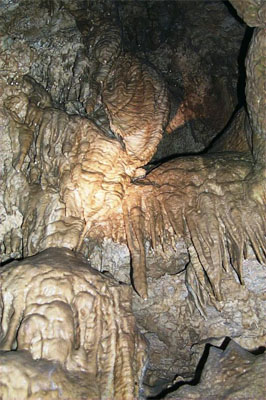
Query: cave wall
x=64 y=56
x=190 y=53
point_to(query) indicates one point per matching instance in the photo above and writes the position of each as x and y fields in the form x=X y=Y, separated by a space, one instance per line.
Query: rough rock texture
x=236 y=137
x=253 y=12
x=175 y=329
x=49 y=32
x=22 y=377
x=69 y=49
x=204 y=200
x=75 y=179
x=233 y=373
x=195 y=46
x=82 y=113
x=43 y=43
x=254 y=15
x=77 y=184
x=68 y=167
x=59 y=309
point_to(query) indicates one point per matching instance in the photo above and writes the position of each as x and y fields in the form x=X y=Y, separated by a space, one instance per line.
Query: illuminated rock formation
x=85 y=190
x=60 y=310
x=79 y=176
x=77 y=131
x=79 y=182
x=217 y=219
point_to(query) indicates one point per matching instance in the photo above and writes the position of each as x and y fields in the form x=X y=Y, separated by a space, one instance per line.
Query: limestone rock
x=253 y=12
x=236 y=137
x=176 y=330
x=40 y=39
x=206 y=201
x=23 y=377
x=83 y=104
x=195 y=46
x=229 y=374
x=69 y=319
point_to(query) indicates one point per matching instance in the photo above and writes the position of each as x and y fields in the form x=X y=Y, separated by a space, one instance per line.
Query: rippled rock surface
x=65 y=325
x=93 y=95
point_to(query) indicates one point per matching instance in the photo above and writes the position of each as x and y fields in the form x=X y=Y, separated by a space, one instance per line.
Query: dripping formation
x=87 y=180
x=206 y=201
x=86 y=119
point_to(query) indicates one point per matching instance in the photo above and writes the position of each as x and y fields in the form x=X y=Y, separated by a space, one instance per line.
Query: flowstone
x=81 y=115
x=65 y=325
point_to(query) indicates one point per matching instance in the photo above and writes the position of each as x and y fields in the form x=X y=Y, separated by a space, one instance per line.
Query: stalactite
x=204 y=200
x=84 y=183
x=134 y=221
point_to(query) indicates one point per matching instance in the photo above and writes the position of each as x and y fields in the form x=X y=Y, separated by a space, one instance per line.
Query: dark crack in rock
x=228 y=374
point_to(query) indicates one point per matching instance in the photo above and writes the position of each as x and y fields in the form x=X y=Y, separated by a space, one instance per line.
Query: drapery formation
x=83 y=180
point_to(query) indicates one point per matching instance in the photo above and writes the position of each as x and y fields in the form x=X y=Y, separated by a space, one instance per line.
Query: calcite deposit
x=88 y=106
x=217 y=220
x=176 y=330
x=55 y=307
x=82 y=186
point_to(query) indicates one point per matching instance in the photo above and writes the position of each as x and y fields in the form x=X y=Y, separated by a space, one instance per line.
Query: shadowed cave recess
x=132 y=202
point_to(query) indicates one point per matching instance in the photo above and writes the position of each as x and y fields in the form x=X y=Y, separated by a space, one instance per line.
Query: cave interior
x=132 y=199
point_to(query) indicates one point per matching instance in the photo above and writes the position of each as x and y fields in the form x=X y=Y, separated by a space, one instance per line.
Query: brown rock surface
x=23 y=377
x=195 y=46
x=236 y=137
x=205 y=200
x=229 y=374
x=253 y=12
x=176 y=330
x=57 y=308
x=75 y=179
x=78 y=122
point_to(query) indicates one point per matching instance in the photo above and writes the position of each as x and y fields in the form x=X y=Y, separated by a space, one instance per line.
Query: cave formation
x=124 y=132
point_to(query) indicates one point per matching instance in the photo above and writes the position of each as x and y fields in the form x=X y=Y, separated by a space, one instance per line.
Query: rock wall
x=176 y=330
x=61 y=317
x=84 y=102
x=228 y=373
